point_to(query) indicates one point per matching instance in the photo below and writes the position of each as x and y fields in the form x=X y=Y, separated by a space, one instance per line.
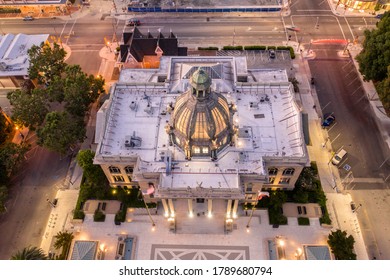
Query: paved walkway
x=161 y=243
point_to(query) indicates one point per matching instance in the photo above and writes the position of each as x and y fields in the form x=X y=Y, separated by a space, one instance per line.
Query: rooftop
x=267 y=118
x=13 y=53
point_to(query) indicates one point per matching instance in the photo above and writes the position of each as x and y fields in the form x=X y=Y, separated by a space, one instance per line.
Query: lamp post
x=147 y=209
x=260 y=195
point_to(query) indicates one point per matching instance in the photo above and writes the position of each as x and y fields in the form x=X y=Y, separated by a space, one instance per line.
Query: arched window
x=288 y=171
x=114 y=169
x=272 y=171
x=129 y=169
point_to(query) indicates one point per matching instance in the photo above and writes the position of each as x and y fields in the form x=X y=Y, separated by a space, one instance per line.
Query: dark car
x=272 y=53
x=28 y=18
x=328 y=120
x=379 y=16
x=133 y=22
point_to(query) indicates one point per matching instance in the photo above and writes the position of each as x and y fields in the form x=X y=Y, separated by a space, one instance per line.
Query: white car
x=339 y=156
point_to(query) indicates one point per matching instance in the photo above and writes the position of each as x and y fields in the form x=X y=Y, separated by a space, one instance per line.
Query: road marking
x=335 y=138
x=368 y=180
x=350 y=30
x=71 y=31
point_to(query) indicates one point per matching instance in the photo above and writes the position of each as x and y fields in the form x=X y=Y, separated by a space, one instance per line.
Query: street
x=337 y=85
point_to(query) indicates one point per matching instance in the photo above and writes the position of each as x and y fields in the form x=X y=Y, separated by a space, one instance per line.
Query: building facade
x=366 y=5
x=201 y=134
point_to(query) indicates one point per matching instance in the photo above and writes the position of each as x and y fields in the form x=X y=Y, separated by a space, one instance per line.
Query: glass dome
x=201 y=122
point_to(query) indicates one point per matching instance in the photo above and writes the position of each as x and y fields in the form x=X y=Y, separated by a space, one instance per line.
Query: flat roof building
x=14 y=59
x=201 y=134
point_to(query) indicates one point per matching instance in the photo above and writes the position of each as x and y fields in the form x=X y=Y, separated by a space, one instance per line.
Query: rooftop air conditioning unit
x=133 y=141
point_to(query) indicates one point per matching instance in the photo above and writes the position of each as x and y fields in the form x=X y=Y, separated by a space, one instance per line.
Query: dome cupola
x=201 y=122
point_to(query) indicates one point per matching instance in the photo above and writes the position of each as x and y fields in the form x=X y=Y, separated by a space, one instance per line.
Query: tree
x=277 y=198
x=3 y=197
x=375 y=56
x=61 y=131
x=80 y=90
x=30 y=253
x=342 y=245
x=5 y=128
x=46 y=62
x=29 y=109
x=92 y=172
x=64 y=241
x=383 y=89
x=11 y=155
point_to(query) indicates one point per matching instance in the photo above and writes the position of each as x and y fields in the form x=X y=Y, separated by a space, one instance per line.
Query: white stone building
x=14 y=60
x=201 y=134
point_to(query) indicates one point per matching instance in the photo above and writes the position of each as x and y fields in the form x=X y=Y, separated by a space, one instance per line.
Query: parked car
x=133 y=22
x=379 y=16
x=272 y=53
x=338 y=157
x=328 y=120
x=28 y=18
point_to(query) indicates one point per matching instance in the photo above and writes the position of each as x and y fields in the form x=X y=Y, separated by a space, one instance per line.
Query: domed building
x=201 y=122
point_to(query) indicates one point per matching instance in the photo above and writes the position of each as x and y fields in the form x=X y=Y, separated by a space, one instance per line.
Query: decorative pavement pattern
x=193 y=252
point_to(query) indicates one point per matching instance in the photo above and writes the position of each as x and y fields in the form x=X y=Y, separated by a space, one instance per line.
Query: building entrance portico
x=200 y=221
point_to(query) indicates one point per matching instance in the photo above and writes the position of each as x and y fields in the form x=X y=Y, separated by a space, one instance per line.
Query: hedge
x=303 y=221
x=234 y=48
x=251 y=48
x=208 y=48
x=99 y=216
x=289 y=48
x=10 y=11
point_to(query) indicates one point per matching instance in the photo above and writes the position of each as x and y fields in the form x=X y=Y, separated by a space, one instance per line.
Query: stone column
x=170 y=203
x=165 y=205
x=190 y=208
x=235 y=206
x=229 y=208
x=209 y=206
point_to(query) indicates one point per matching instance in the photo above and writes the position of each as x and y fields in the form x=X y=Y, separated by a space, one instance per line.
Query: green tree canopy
x=46 y=62
x=29 y=108
x=3 y=197
x=11 y=155
x=64 y=241
x=30 y=253
x=342 y=245
x=80 y=90
x=92 y=172
x=61 y=131
x=383 y=89
x=375 y=56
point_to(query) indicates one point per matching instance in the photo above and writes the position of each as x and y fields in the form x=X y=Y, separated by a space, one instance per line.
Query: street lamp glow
x=209 y=215
x=191 y=214
x=281 y=242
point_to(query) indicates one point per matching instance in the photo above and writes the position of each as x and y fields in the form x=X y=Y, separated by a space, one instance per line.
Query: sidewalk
x=62 y=215
x=320 y=151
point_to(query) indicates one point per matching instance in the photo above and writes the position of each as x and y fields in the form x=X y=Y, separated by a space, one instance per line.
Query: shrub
x=79 y=214
x=303 y=221
x=208 y=48
x=10 y=11
x=120 y=216
x=255 y=48
x=236 y=48
x=99 y=216
x=276 y=217
x=288 y=48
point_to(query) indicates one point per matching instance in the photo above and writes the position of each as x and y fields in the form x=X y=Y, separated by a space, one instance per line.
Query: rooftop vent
x=133 y=105
x=133 y=141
